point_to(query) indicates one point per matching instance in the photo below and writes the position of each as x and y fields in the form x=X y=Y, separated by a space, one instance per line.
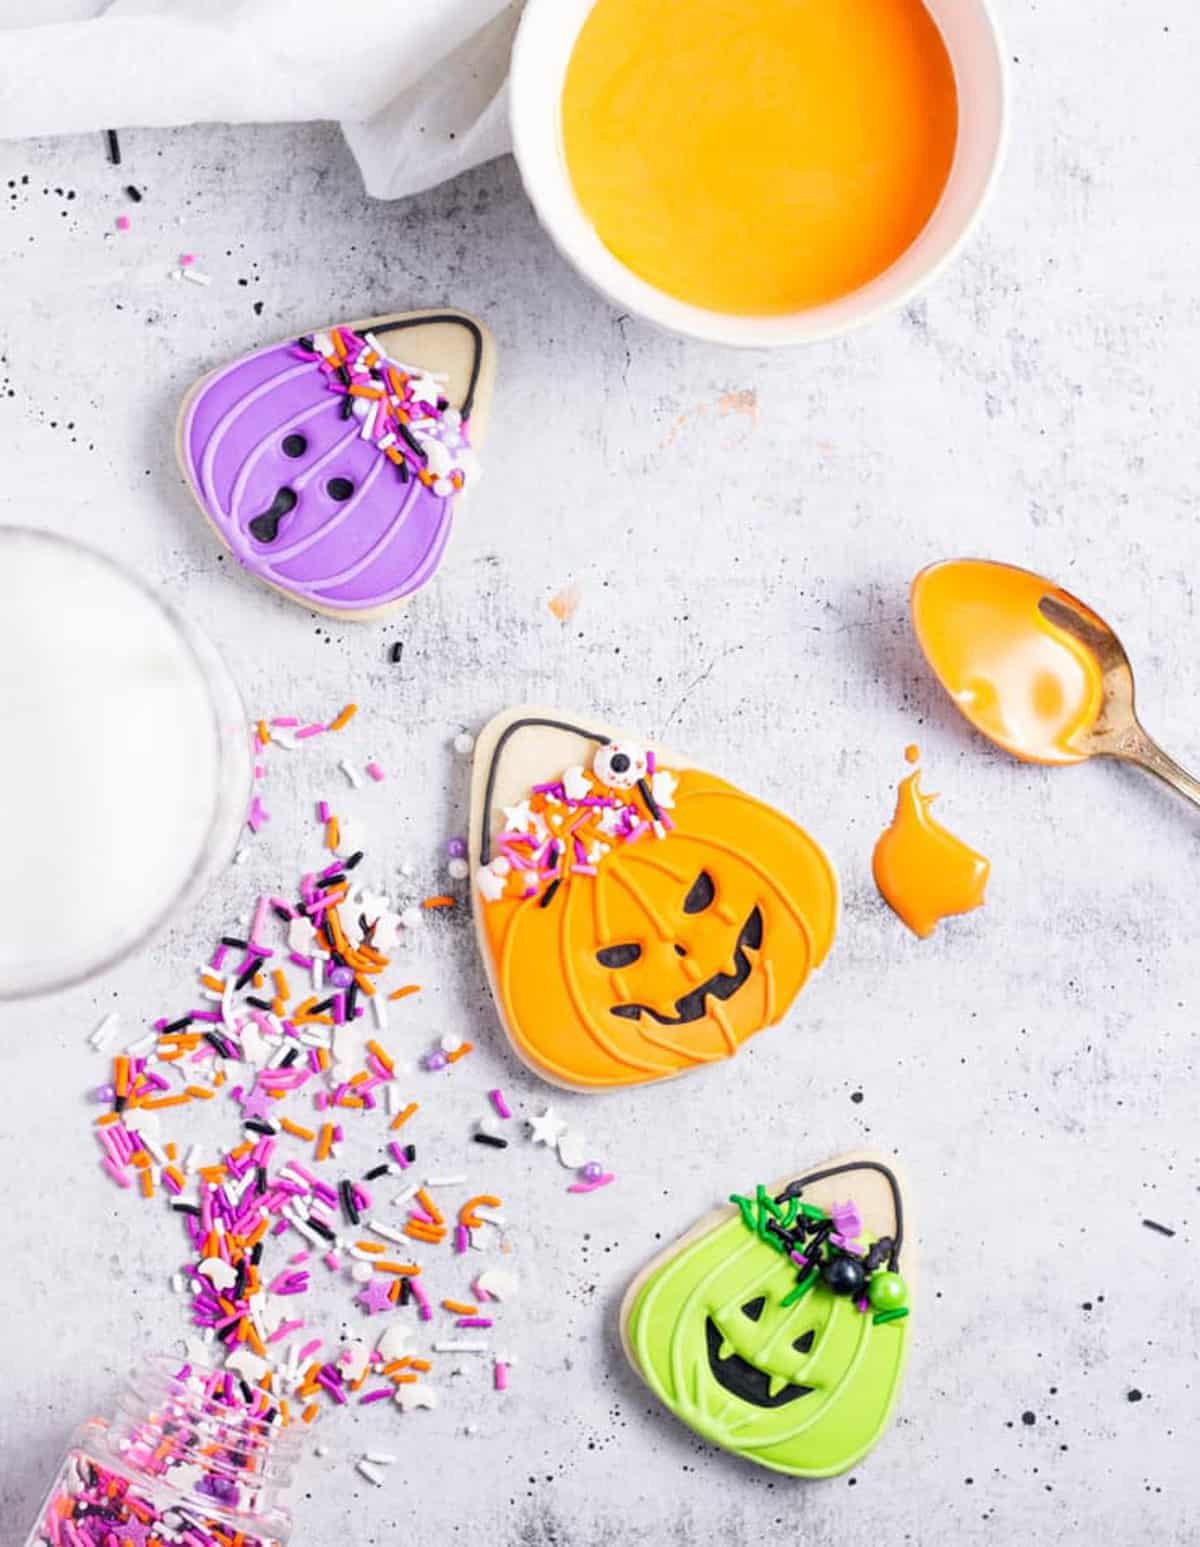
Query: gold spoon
x=1116 y=731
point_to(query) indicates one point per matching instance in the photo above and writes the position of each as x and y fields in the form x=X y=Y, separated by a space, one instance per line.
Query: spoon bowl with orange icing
x=1034 y=668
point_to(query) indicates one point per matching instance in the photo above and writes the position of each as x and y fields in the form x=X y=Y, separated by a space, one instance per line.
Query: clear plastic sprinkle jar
x=191 y=1457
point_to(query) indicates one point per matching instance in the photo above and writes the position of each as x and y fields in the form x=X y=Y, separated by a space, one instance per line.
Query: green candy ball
x=887 y=1291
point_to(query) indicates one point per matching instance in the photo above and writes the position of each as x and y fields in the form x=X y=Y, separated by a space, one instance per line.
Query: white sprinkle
x=177 y=1283
x=156 y=1150
x=404 y=1197
x=369 y=1472
x=380 y=1457
x=444 y=1181
x=379 y=1005
x=196 y=277
x=460 y=1348
x=143 y=1045
x=241 y=856
x=105 y=1033
x=362 y=1272
x=458 y=869
x=386 y=1231
x=351 y=773
x=451 y=1042
x=194 y=1158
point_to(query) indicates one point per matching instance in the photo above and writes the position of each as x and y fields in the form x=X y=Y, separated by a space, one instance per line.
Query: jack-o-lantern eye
x=339 y=489
x=701 y=895
x=803 y=1344
x=295 y=445
x=616 y=956
x=753 y=1309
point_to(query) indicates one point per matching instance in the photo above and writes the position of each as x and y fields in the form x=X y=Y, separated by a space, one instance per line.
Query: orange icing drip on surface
x=764 y=155
x=1026 y=684
x=923 y=872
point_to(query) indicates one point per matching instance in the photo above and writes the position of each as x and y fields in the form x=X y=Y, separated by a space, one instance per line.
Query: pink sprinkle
x=474 y=1321
x=462 y=1238
x=500 y=1376
x=332 y=1261
x=122 y=222
x=323 y=811
x=285 y=721
x=114 y=1170
x=309 y=730
x=498 y=1101
x=422 y=1299
x=601 y=1181
x=308 y=1350
x=380 y=1395
x=376 y=772
x=186 y=259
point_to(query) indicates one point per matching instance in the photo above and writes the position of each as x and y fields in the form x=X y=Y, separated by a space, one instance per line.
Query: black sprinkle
x=306 y=342
x=234 y=942
x=322 y=1230
x=376 y=1173
x=396 y=652
x=120 y=1103
x=246 y=976
x=259 y=1004
x=180 y=1025
x=347 y=409
x=410 y=1152
x=133 y=193
x=411 y=442
x=346 y=1194
x=256 y=1254
x=221 y=1046
x=351 y=1001
x=490 y=1140
x=189 y=1208
x=1153 y=1224
x=114 y=146
x=330 y=883
x=289 y=1058
x=343 y=375
x=281 y=913
x=260 y=1179
x=548 y=894
x=355 y=859
x=405 y=1291
x=247 y=1394
x=319 y=1009
x=256 y=1125
x=402 y=469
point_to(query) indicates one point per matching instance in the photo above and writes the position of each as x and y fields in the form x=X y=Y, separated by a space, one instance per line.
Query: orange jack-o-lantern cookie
x=637 y=915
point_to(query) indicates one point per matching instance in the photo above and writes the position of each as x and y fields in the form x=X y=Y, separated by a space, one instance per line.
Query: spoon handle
x=1146 y=753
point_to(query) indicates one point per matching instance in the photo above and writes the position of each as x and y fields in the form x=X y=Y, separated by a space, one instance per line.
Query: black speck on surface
x=1133 y=1395
x=1028 y=1418
x=856 y=1096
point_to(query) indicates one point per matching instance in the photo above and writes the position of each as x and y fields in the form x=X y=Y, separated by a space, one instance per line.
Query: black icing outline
x=472 y=327
x=796 y=1189
x=506 y=735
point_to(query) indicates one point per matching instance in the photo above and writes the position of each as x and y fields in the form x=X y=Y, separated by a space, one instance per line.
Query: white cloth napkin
x=417 y=85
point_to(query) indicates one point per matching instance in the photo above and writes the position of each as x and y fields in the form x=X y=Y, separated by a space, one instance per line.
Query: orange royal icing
x=923 y=872
x=633 y=940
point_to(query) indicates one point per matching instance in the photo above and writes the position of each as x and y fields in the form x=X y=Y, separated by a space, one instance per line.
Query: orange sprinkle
x=281 y=983
x=147 y=1184
x=373 y=1047
x=326 y=1141
x=360 y=1078
x=352 y=1101
x=256 y=1343
x=439 y=902
x=405 y=1380
x=364 y=983
x=422 y=1232
x=210 y=982
x=176 y=1176
x=141 y=1159
x=121 y=1075
x=403 y=993
x=333 y=833
x=396 y=1364
x=350 y=710
x=460 y=1052
x=295 y=1129
x=310 y=1412
x=264 y=735
x=401 y=1269
x=467 y=1215
x=460 y=1309
x=323 y=1059
x=430 y=1206
x=165 y=1101
x=371 y=1246
x=171 y=1150
x=402 y=1117
x=200 y=1092
x=419 y=1364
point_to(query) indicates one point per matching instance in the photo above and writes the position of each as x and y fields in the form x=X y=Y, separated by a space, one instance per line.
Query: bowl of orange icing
x=758 y=172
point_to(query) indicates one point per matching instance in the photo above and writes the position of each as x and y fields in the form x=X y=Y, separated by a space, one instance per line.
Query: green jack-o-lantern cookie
x=777 y=1328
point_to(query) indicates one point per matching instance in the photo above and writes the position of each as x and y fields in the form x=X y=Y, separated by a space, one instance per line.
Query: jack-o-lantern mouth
x=745 y=1380
x=693 y=1006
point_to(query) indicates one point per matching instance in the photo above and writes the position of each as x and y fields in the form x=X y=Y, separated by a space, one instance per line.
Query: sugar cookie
x=330 y=464
x=778 y=1328
x=638 y=916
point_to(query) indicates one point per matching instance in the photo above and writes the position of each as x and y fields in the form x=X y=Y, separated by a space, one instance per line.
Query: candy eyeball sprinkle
x=620 y=764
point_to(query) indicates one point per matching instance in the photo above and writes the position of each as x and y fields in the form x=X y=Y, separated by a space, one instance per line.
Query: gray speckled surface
x=743 y=579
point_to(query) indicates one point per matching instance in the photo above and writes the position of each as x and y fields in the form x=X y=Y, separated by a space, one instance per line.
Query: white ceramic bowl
x=543 y=48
